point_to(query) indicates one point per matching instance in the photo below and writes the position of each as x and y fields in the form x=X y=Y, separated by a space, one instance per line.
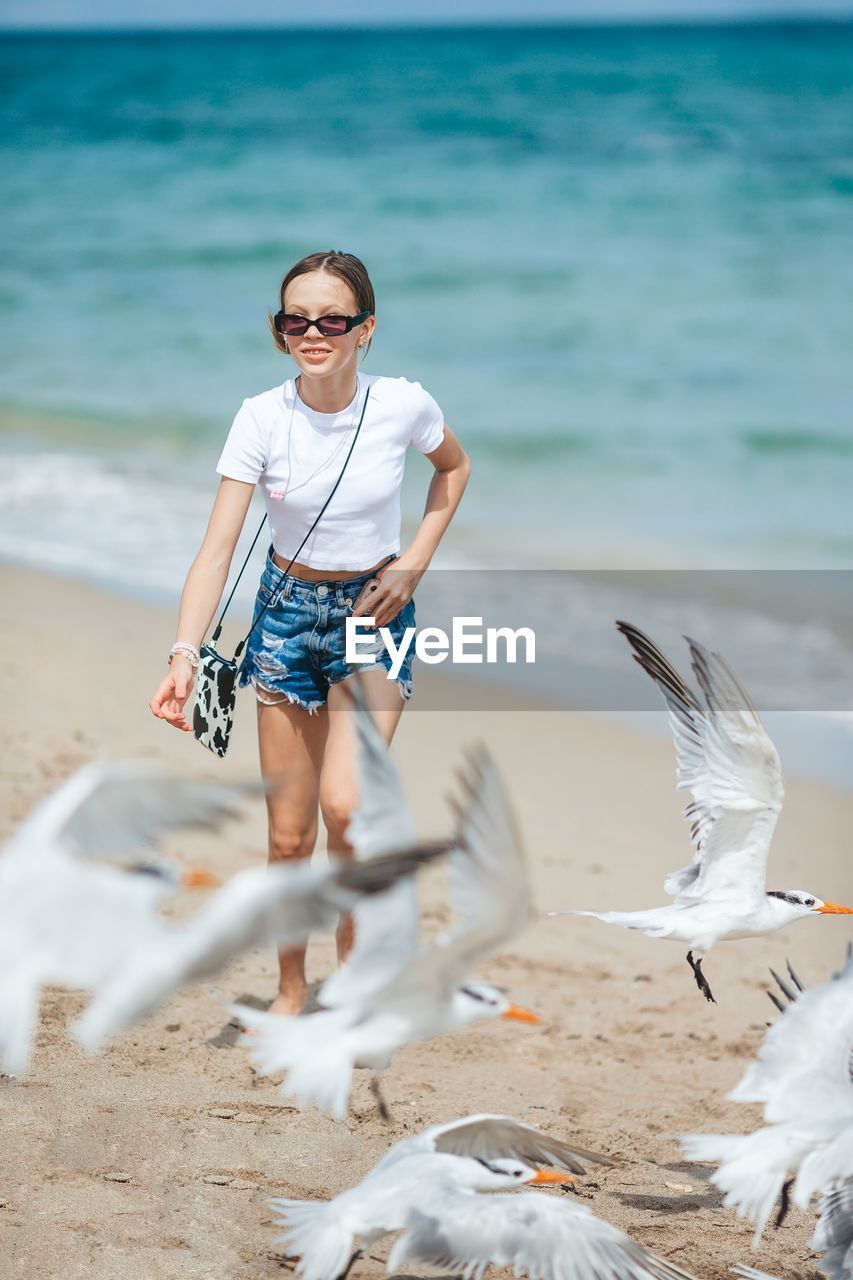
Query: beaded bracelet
x=184 y=650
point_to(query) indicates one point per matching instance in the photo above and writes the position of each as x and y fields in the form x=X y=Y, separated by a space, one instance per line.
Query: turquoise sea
x=620 y=259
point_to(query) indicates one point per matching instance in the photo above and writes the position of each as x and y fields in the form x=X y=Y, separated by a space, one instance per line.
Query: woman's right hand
x=172 y=693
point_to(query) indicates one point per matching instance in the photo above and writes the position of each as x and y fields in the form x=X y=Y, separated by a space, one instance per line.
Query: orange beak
x=521 y=1015
x=199 y=878
x=542 y=1176
x=830 y=909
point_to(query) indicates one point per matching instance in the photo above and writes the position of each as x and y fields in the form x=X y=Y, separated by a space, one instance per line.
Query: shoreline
x=156 y=1158
x=816 y=744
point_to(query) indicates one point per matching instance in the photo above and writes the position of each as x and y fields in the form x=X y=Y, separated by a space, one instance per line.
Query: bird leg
x=381 y=1104
x=348 y=1268
x=701 y=980
x=784 y=1202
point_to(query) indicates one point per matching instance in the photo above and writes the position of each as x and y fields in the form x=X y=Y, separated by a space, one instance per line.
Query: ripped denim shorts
x=298 y=649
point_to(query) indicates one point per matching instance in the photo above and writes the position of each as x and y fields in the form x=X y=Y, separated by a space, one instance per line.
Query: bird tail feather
x=323 y=1245
x=751 y=1173
x=648 y=922
x=313 y=1050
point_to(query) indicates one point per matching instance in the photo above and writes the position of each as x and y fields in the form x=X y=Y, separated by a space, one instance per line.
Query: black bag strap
x=293 y=560
x=218 y=628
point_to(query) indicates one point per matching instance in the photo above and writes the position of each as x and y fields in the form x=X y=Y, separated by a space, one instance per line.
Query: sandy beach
x=155 y=1159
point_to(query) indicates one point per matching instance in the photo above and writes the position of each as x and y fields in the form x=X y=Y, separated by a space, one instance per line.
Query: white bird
x=391 y=993
x=727 y=760
x=70 y=918
x=803 y=1077
x=434 y=1194
x=74 y=894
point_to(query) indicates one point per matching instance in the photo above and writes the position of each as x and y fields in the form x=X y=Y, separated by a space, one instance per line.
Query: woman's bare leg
x=338 y=778
x=291 y=743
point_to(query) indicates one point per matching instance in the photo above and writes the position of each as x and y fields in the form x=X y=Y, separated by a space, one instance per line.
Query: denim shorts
x=298 y=649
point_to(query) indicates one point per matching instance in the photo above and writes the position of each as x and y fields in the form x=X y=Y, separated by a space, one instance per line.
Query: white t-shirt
x=295 y=454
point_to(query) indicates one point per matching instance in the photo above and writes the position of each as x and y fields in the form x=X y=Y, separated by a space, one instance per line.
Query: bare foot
x=290 y=1003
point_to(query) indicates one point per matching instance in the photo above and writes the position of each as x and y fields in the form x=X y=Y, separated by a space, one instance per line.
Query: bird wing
x=386 y=925
x=381 y=819
x=834 y=1231
x=489 y=886
x=810 y=1043
x=535 y=1234
x=727 y=760
x=490 y=1137
x=830 y=1160
x=115 y=810
x=263 y=905
x=488 y=873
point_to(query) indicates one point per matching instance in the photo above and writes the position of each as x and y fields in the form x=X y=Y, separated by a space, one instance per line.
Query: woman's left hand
x=388 y=592
x=392 y=587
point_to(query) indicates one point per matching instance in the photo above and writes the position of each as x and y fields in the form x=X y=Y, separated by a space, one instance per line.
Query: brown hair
x=347 y=267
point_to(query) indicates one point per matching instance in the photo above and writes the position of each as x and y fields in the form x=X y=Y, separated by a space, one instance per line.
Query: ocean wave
x=804 y=440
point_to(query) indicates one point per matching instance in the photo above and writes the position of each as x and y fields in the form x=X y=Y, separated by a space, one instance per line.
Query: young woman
x=293 y=442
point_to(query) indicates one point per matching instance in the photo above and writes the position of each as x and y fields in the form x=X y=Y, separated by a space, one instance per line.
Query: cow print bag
x=216 y=679
x=216 y=692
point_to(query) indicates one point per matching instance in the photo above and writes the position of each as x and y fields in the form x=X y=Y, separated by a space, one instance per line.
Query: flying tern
x=79 y=905
x=802 y=1075
x=78 y=888
x=391 y=992
x=727 y=761
x=431 y=1186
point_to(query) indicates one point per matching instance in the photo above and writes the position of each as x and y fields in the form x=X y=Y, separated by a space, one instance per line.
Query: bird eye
x=148 y=869
x=516 y=1173
x=809 y=902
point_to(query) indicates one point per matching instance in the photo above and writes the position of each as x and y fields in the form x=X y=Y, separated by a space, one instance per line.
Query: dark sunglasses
x=328 y=326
